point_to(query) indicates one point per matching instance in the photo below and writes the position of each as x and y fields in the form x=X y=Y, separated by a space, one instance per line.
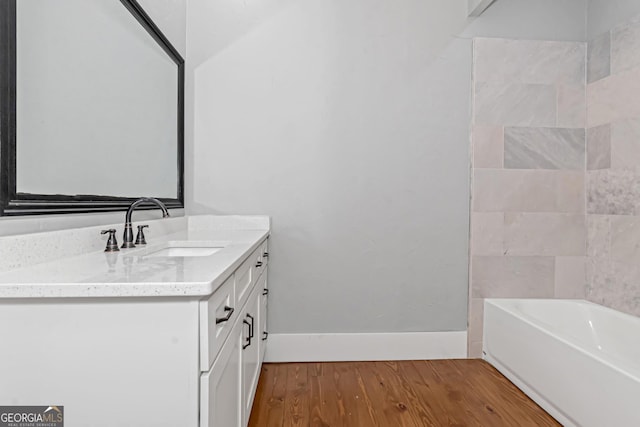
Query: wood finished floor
x=407 y=393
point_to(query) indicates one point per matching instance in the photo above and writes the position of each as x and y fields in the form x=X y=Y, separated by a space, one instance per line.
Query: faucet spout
x=128 y=231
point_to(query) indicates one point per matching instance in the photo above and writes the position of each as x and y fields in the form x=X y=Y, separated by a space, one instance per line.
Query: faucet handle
x=140 y=240
x=112 y=243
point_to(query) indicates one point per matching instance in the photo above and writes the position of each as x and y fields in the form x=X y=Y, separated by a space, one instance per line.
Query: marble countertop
x=132 y=273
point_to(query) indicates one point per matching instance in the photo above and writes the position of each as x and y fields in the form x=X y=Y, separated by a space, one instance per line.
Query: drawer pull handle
x=250 y=326
x=265 y=291
x=265 y=334
x=265 y=255
x=248 y=339
x=229 y=311
x=259 y=264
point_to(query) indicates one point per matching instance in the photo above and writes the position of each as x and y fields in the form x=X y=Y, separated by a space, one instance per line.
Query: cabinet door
x=220 y=388
x=251 y=352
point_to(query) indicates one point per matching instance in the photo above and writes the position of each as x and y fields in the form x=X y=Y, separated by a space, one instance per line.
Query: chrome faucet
x=128 y=232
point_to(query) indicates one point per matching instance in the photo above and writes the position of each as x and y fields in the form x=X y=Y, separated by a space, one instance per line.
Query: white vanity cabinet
x=156 y=361
x=227 y=389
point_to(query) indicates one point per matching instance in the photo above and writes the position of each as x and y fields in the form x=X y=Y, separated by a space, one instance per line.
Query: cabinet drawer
x=217 y=315
x=245 y=277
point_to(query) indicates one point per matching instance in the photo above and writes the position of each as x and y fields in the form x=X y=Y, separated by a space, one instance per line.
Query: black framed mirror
x=91 y=108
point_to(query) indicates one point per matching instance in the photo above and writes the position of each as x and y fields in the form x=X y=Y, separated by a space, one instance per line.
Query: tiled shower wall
x=613 y=168
x=528 y=222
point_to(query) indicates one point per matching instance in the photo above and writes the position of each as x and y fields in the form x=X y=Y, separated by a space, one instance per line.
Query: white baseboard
x=366 y=347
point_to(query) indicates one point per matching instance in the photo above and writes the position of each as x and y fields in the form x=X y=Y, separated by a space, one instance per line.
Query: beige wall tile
x=529 y=61
x=616 y=285
x=512 y=277
x=529 y=233
x=625 y=239
x=598 y=236
x=572 y=106
x=599 y=57
x=514 y=104
x=537 y=217
x=475 y=350
x=614 y=98
x=488 y=146
x=487 y=233
x=613 y=192
x=625 y=144
x=476 y=313
x=625 y=47
x=505 y=190
x=597 y=271
x=599 y=147
x=544 y=148
x=542 y=234
x=570 y=277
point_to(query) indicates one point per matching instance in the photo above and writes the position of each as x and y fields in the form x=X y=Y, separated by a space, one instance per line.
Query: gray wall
x=603 y=15
x=331 y=118
x=348 y=123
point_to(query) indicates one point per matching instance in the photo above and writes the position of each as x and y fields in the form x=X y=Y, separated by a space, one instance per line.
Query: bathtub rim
x=634 y=373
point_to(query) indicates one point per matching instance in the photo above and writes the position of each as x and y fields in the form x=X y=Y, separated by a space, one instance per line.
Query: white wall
x=603 y=15
x=348 y=123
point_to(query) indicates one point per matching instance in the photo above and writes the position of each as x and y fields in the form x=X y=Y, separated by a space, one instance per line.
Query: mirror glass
x=98 y=108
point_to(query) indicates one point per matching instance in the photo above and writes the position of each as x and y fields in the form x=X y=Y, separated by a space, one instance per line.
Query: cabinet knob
x=265 y=255
x=259 y=264
x=265 y=291
x=265 y=334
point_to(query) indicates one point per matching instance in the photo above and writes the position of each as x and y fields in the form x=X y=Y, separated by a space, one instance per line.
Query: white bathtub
x=578 y=360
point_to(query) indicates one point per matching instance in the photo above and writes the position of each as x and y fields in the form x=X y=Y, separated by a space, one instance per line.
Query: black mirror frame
x=13 y=203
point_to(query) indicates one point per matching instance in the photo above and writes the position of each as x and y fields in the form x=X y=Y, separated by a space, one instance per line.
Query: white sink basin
x=183 y=252
x=188 y=249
